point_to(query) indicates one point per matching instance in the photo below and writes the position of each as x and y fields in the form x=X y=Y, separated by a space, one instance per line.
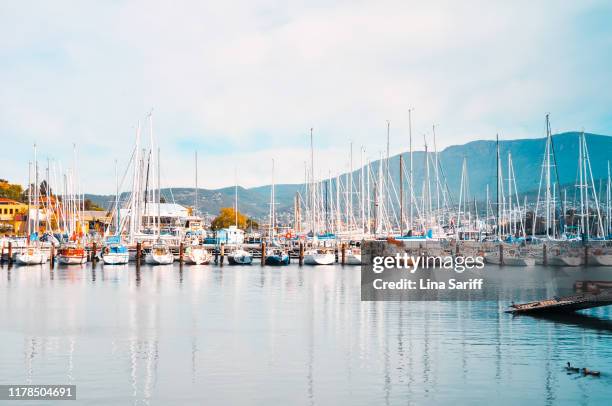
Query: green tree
x=227 y=217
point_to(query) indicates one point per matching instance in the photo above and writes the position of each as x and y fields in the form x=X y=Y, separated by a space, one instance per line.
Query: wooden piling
x=181 y=248
x=586 y=255
x=343 y=248
x=222 y=256
x=336 y=254
x=301 y=253
x=501 y=253
x=10 y=252
x=52 y=256
x=2 y=254
x=544 y=255
x=138 y=252
x=263 y=253
x=93 y=254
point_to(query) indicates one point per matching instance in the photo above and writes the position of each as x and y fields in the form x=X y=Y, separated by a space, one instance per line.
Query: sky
x=242 y=82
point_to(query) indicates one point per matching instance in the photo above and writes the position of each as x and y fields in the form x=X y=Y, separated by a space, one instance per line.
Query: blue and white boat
x=115 y=253
x=277 y=257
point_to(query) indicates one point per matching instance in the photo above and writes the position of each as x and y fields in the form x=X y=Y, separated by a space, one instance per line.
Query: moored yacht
x=159 y=254
x=319 y=257
x=71 y=253
x=197 y=255
x=240 y=257
x=277 y=257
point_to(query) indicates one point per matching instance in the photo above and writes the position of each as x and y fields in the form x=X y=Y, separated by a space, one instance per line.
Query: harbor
x=306 y=203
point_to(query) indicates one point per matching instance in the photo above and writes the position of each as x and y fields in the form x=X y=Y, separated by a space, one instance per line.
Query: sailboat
x=116 y=253
x=239 y=256
x=197 y=255
x=72 y=253
x=277 y=255
x=160 y=253
x=32 y=255
x=319 y=256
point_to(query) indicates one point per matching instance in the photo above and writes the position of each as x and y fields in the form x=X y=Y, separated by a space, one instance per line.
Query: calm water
x=252 y=335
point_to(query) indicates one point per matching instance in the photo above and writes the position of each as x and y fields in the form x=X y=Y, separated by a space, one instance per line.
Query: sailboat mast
x=158 y=195
x=116 y=200
x=401 y=191
x=236 y=196
x=498 y=180
x=36 y=190
x=195 y=200
x=411 y=187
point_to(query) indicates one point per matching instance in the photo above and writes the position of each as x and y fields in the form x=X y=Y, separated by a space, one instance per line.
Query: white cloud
x=258 y=74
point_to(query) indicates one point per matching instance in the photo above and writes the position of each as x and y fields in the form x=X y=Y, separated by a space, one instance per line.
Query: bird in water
x=570 y=368
x=587 y=371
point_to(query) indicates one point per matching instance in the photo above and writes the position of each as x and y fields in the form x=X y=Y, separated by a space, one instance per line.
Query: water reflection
x=300 y=335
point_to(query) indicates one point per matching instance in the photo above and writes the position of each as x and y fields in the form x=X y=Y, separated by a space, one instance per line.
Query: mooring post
x=336 y=253
x=222 y=254
x=52 y=255
x=2 y=254
x=216 y=250
x=343 y=248
x=586 y=255
x=544 y=255
x=93 y=255
x=457 y=249
x=501 y=253
x=301 y=253
x=181 y=252
x=138 y=252
x=263 y=253
x=10 y=252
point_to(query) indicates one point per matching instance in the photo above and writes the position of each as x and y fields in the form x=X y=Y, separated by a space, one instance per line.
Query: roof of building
x=5 y=200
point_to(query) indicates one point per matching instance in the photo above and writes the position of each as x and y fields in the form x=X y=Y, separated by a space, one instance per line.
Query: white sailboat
x=33 y=254
x=197 y=255
x=160 y=253
x=116 y=253
x=240 y=257
x=319 y=256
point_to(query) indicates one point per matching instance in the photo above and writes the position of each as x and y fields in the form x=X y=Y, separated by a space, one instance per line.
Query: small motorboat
x=240 y=257
x=277 y=257
x=160 y=254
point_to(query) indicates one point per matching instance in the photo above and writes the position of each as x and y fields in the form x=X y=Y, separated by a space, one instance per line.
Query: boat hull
x=33 y=258
x=600 y=260
x=240 y=259
x=71 y=260
x=116 y=258
x=277 y=260
x=198 y=257
x=319 y=259
x=154 y=259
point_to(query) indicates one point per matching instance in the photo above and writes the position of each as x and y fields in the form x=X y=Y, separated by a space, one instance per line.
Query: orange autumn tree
x=227 y=217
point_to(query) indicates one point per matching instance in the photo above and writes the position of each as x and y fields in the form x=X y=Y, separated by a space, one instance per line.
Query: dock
x=564 y=304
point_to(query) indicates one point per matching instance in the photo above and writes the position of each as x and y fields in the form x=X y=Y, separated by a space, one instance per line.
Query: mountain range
x=480 y=156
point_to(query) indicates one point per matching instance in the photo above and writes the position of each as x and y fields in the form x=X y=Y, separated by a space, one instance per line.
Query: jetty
x=564 y=304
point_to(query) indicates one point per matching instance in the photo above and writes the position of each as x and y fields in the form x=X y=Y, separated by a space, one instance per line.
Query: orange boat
x=71 y=254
